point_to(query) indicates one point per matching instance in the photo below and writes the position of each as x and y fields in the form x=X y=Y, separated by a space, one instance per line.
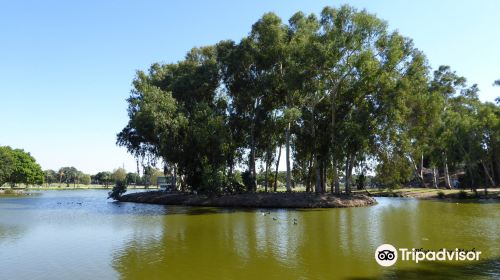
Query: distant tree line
x=337 y=92
x=73 y=176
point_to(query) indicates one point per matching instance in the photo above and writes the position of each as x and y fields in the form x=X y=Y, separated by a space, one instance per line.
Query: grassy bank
x=427 y=193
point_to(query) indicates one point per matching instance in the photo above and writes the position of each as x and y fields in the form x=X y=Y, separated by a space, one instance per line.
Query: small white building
x=166 y=183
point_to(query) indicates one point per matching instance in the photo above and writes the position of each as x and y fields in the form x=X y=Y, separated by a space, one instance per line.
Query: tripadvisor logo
x=387 y=255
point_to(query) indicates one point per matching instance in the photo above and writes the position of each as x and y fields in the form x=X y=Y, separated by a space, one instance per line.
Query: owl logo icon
x=386 y=255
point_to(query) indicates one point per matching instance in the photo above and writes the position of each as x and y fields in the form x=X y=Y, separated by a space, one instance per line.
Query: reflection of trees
x=11 y=232
x=333 y=243
x=244 y=244
x=486 y=269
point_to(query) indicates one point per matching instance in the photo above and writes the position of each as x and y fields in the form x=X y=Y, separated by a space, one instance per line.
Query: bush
x=9 y=191
x=117 y=191
x=441 y=195
x=462 y=194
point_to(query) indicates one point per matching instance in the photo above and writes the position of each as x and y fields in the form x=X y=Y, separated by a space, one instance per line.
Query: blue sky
x=66 y=66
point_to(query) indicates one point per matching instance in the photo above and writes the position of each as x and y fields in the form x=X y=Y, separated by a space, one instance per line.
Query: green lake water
x=81 y=235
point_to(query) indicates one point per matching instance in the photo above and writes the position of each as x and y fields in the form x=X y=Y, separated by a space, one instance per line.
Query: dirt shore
x=252 y=200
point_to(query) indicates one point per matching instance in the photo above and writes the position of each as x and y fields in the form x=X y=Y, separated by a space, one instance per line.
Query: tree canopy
x=19 y=167
x=339 y=91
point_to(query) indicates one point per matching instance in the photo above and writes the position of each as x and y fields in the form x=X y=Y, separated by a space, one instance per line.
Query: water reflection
x=486 y=269
x=323 y=244
x=63 y=234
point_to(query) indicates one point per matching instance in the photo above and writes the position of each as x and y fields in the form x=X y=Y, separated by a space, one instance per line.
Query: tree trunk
x=446 y=173
x=348 y=171
x=251 y=166
x=276 y=171
x=266 y=179
x=175 y=177
x=318 y=176
x=495 y=161
x=434 y=177
x=346 y=177
x=421 y=173
x=309 y=174
x=336 y=177
x=321 y=176
x=324 y=187
x=335 y=182
x=490 y=179
x=332 y=185
x=230 y=175
x=288 y=171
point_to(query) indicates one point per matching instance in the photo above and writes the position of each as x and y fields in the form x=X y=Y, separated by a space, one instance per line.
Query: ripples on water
x=81 y=235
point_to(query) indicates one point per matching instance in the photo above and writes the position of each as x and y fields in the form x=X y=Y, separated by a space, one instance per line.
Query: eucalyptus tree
x=489 y=122
x=253 y=73
x=363 y=72
x=242 y=79
x=336 y=91
x=178 y=116
x=303 y=82
x=447 y=86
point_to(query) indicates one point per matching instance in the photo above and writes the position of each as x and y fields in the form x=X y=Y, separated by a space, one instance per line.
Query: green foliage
x=247 y=180
x=104 y=178
x=119 y=175
x=19 y=167
x=462 y=194
x=133 y=178
x=50 y=176
x=361 y=181
x=117 y=191
x=6 y=164
x=441 y=194
x=337 y=90
x=393 y=170
x=70 y=175
x=85 y=179
x=151 y=175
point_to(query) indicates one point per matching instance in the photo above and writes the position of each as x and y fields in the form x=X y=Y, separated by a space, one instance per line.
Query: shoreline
x=13 y=192
x=439 y=194
x=252 y=200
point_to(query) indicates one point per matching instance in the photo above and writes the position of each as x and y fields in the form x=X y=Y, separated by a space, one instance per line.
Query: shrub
x=462 y=194
x=117 y=191
x=9 y=191
x=441 y=195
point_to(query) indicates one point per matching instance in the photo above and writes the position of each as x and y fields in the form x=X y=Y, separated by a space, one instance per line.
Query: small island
x=252 y=200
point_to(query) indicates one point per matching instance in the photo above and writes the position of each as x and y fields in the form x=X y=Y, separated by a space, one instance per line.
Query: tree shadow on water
x=485 y=269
